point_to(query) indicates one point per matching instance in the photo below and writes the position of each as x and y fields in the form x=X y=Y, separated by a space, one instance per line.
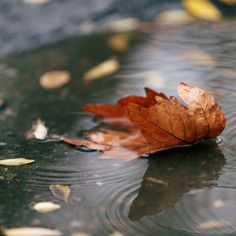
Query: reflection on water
x=172 y=173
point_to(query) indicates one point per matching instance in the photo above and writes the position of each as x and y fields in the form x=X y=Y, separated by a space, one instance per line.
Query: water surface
x=183 y=191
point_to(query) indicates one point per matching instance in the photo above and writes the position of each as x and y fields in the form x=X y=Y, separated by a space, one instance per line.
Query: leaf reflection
x=174 y=172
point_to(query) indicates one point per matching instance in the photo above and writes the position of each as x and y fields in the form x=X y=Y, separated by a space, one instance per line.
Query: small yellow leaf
x=38 y=131
x=54 y=79
x=31 y=231
x=123 y=25
x=60 y=191
x=15 y=162
x=116 y=233
x=212 y=224
x=45 y=207
x=104 y=69
x=202 y=9
x=80 y=234
x=229 y=2
x=201 y=57
x=119 y=42
x=36 y=2
x=174 y=17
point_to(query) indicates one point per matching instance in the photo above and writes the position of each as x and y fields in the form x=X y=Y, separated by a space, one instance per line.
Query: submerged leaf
x=125 y=145
x=31 y=231
x=104 y=69
x=60 y=191
x=202 y=9
x=45 y=207
x=119 y=42
x=16 y=161
x=54 y=79
x=157 y=122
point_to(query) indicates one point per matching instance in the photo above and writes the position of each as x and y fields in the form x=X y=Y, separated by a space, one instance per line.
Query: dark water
x=183 y=191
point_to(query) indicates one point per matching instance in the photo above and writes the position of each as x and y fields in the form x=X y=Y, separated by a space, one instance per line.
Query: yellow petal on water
x=37 y=2
x=202 y=9
x=229 y=2
x=31 y=231
x=16 y=161
x=201 y=57
x=218 y=203
x=41 y=130
x=174 y=17
x=123 y=25
x=116 y=233
x=45 y=207
x=54 y=79
x=104 y=69
x=60 y=191
x=119 y=42
x=212 y=224
x=38 y=131
x=80 y=234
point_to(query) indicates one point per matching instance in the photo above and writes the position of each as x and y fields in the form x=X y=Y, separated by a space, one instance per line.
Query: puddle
x=184 y=191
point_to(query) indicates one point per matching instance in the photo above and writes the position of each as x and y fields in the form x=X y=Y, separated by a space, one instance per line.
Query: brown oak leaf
x=156 y=122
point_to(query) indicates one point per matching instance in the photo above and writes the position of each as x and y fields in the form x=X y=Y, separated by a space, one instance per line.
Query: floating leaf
x=113 y=114
x=16 y=162
x=37 y=2
x=202 y=9
x=174 y=17
x=45 y=207
x=158 y=122
x=38 y=131
x=60 y=191
x=31 y=231
x=201 y=57
x=119 y=42
x=54 y=79
x=80 y=234
x=116 y=233
x=123 y=25
x=104 y=69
